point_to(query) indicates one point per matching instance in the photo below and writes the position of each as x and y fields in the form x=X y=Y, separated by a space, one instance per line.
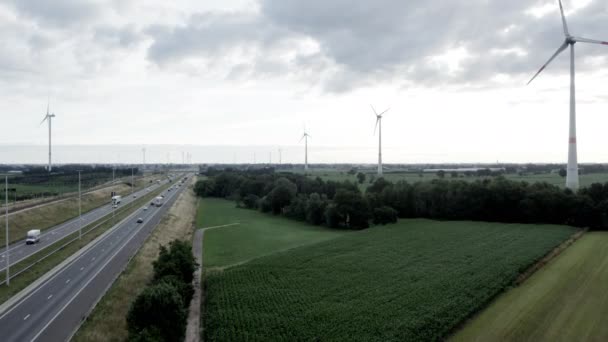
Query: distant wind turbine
x=49 y=117
x=305 y=136
x=572 y=169
x=379 y=128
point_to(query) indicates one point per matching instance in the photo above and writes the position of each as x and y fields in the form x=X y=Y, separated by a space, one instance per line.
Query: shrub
x=160 y=310
x=177 y=260
x=385 y=215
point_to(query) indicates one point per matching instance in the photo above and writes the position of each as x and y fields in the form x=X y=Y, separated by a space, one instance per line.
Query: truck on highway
x=158 y=201
x=33 y=236
x=116 y=200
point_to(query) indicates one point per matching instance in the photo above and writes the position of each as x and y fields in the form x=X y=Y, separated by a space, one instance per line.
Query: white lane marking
x=82 y=268
x=93 y=259
x=103 y=249
x=67 y=281
x=49 y=297
x=26 y=317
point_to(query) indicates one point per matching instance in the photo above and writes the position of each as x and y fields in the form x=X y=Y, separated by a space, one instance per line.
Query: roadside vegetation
x=344 y=205
x=160 y=311
x=107 y=322
x=411 y=281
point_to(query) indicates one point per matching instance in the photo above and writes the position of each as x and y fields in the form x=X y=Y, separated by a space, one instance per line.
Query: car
x=134 y=196
x=145 y=208
x=163 y=196
x=115 y=206
x=140 y=220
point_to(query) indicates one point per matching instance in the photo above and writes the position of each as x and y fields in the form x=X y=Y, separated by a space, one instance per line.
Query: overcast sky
x=252 y=73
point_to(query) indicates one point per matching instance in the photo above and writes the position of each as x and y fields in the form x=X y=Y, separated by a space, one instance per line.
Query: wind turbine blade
x=374 y=110
x=384 y=112
x=592 y=41
x=559 y=50
x=304 y=136
x=376 y=127
x=45 y=118
x=561 y=10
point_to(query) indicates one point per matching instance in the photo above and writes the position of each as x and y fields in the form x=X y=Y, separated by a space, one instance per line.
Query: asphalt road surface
x=53 y=310
x=19 y=250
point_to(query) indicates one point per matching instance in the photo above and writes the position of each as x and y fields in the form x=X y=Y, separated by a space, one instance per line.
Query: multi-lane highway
x=54 y=309
x=19 y=250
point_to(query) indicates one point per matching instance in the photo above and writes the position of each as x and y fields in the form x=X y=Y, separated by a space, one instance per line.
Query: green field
x=551 y=178
x=255 y=235
x=565 y=301
x=412 y=281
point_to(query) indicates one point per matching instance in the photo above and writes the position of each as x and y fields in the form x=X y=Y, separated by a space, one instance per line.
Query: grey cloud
x=211 y=34
x=118 y=36
x=363 y=42
x=61 y=13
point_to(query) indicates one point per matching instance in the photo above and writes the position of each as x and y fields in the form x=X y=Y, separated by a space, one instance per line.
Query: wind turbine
x=48 y=117
x=305 y=136
x=379 y=128
x=569 y=41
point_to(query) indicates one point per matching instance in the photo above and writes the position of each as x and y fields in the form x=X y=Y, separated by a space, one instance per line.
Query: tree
x=351 y=210
x=454 y=174
x=281 y=195
x=562 y=172
x=177 y=260
x=440 y=173
x=385 y=215
x=361 y=177
x=148 y=334
x=159 y=307
x=205 y=188
x=315 y=209
x=250 y=201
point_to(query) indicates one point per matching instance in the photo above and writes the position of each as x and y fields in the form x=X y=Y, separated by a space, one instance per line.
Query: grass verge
x=107 y=322
x=24 y=279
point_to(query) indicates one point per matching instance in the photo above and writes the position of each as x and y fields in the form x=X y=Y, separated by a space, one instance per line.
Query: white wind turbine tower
x=572 y=169
x=48 y=117
x=379 y=128
x=305 y=136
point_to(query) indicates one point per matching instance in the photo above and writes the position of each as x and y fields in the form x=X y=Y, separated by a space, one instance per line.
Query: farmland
x=564 y=301
x=255 y=235
x=414 y=280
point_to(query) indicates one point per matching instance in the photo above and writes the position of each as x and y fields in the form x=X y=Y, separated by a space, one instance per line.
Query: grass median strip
x=46 y=264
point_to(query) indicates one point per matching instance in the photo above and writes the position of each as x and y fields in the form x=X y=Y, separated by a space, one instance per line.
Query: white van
x=33 y=236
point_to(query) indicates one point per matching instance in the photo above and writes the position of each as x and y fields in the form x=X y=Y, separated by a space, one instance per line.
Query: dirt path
x=193 y=329
x=193 y=333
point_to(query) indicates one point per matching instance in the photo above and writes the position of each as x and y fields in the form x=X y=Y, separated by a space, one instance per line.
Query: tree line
x=160 y=311
x=344 y=205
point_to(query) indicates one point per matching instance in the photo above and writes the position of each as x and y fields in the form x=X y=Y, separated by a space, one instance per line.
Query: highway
x=19 y=250
x=53 y=310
